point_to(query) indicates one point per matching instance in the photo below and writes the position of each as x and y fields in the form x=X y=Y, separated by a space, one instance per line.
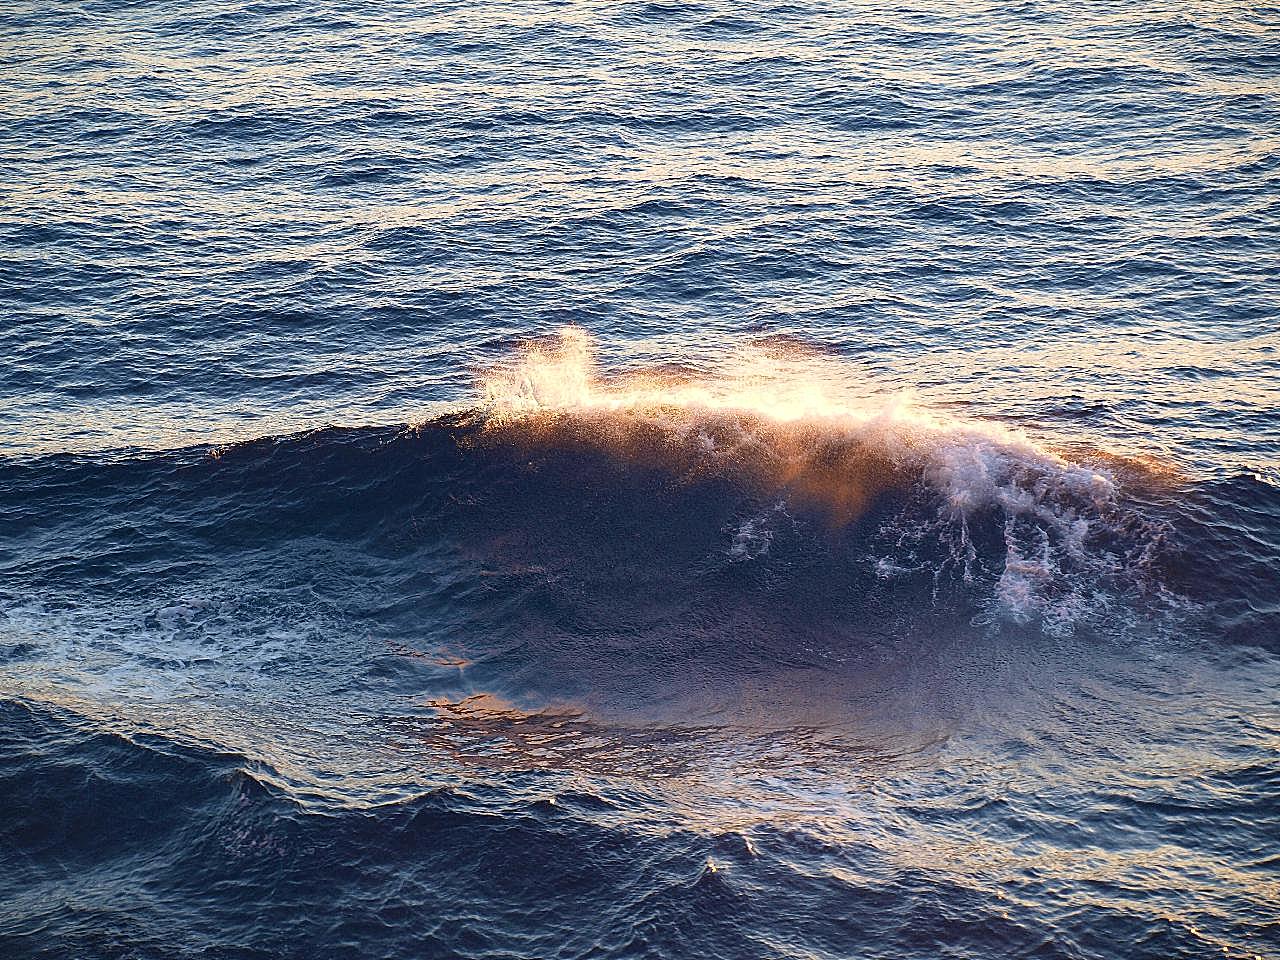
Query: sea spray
x=817 y=431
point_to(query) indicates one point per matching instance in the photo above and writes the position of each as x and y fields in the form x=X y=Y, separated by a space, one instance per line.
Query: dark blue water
x=639 y=480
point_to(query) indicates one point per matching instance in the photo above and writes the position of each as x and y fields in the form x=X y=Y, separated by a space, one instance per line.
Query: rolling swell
x=191 y=851
x=683 y=661
x=713 y=510
x=629 y=561
x=620 y=507
x=171 y=823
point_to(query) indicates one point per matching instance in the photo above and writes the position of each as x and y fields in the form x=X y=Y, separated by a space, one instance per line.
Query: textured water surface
x=639 y=480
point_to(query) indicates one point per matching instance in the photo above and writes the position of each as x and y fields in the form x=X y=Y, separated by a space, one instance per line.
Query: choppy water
x=639 y=480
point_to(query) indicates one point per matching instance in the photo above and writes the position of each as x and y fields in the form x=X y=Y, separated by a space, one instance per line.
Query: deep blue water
x=692 y=479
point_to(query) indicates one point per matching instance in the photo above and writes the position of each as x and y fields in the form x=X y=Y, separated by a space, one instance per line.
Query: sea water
x=671 y=479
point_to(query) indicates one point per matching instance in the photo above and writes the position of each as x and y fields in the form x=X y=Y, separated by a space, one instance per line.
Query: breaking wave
x=586 y=536
x=1055 y=535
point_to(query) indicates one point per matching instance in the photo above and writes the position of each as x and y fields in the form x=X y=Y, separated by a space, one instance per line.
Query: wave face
x=928 y=496
x=639 y=480
x=632 y=655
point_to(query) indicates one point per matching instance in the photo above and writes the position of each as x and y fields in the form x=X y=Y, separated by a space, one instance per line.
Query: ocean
x=563 y=479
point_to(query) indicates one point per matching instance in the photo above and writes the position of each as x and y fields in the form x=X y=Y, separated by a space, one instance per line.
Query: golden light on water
x=779 y=414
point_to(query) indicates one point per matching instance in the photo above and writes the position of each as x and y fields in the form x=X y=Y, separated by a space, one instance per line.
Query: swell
x=957 y=499
x=135 y=845
x=776 y=487
x=131 y=844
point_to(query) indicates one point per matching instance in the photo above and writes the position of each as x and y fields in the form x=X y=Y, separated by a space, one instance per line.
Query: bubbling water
x=810 y=427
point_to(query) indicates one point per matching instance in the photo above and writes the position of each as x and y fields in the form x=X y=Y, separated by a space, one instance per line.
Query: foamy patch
x=818 y=428
x=752 y=537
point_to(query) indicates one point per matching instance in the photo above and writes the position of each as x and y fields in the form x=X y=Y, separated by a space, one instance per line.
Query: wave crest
x=1053 y=533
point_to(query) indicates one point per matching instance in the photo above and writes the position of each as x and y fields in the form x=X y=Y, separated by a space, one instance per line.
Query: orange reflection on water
x=786 y=418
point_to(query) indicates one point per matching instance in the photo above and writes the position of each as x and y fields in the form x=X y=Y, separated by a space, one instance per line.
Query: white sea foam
x=816 y=428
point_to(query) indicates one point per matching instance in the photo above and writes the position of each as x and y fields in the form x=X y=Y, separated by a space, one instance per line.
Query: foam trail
x=809 y=425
